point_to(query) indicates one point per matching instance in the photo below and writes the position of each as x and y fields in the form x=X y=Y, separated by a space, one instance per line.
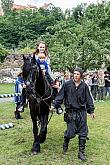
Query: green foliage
x=3 y=53
x=80 y=36
x=6 y=6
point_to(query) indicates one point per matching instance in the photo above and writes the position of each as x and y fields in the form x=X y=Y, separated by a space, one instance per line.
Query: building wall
x=29 y=7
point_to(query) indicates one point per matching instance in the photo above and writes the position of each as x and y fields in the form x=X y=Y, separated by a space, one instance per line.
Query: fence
x=10 y=95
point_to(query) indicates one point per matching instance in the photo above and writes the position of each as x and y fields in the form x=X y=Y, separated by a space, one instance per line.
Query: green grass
x=16 y=142
x=6 y=88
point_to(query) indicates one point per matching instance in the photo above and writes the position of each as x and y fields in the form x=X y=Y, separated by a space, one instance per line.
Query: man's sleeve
x=59 y=98
x=89 y=101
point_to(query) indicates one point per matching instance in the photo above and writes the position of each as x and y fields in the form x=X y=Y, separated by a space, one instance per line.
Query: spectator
x=101 y=86
x=107 y=82
x=21 y=98
x=66 y=76
x=94 y=87
x=56 y=88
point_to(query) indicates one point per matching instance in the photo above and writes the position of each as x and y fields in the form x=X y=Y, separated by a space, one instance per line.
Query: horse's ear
x=34 y=58
x=24 y=57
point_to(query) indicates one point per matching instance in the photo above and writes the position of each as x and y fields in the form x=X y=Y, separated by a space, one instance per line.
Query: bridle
x=34 y=71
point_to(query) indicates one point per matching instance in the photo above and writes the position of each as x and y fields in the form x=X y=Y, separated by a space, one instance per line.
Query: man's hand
x=92 y=115
x=59 y=110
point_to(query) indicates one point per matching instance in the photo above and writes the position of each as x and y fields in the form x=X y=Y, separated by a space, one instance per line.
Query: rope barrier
x=10 y=95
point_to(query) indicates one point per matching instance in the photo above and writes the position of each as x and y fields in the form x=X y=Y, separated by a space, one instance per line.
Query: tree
x=77 y=37
x=3 y=53
x=7 y=6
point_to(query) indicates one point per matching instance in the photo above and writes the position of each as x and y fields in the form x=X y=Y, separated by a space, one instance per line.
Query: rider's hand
x=24 y=85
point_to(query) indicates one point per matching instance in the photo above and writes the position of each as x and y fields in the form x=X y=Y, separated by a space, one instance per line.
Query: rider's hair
x=37 y=50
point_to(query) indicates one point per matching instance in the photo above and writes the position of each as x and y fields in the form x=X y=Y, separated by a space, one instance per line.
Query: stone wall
x=12 y=61
x=10 y=68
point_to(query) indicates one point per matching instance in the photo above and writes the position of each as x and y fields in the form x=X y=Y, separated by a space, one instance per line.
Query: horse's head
x=36 y=83
x=30 y=67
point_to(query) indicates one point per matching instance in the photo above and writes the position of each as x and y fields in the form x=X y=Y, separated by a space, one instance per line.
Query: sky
x=63 y=4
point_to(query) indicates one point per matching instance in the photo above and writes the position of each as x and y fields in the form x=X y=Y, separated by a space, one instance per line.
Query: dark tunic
x=78 y=101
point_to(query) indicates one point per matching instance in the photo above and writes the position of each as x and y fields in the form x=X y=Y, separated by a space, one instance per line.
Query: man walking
x=78 y=102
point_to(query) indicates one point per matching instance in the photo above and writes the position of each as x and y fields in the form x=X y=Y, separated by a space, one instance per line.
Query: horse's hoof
x=35 y=152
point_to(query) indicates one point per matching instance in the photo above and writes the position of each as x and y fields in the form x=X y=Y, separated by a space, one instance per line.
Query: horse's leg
x=43 y=130
x=36 y=143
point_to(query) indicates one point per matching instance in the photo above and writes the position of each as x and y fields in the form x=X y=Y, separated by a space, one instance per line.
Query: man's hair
x=78 y=69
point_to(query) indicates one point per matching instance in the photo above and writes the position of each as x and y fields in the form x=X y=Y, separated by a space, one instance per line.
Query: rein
x=34 y=93
x=41 y=97
x=31 y=80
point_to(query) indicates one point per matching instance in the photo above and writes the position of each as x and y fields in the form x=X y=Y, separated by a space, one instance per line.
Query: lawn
x=16 y=142
x=6 y=88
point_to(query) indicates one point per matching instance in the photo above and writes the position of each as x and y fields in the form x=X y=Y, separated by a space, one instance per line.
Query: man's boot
x=81 y=153
x=65 y=145
x=17 y=115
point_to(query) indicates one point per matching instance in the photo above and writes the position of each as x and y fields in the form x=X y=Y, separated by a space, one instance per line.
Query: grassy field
x=16 y=142
x=6 y=88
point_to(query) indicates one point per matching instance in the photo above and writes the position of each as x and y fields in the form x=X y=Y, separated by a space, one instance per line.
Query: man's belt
x=70 y=110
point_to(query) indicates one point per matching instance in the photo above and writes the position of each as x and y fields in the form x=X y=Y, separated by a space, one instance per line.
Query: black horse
x=39 y=94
